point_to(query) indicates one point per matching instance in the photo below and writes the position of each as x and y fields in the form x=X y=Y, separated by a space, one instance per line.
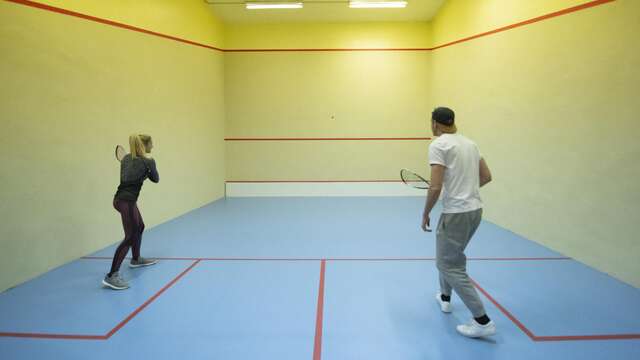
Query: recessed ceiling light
x=274 y=5
x=377 y=4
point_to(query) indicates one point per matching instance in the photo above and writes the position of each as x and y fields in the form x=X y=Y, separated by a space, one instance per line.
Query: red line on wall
x=308 y=181
x=317 y=344
x=62 y=11
x=330 y=139
x=573 y=9
x=528 y=22
x=327 y=49
x=58 y=10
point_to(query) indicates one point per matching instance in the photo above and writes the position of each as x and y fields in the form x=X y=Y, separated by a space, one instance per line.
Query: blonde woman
x=135 y=168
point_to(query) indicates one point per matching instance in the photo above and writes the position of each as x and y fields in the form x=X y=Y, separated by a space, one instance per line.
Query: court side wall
x=553 y=106
x=326 y=94
x=71 y=90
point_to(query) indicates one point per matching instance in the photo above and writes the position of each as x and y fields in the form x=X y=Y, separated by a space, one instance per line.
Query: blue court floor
x=317 y=278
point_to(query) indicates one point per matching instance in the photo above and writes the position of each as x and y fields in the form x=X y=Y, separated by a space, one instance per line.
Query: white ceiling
x=234 y=11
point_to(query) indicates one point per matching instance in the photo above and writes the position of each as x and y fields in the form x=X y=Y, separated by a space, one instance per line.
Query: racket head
x=414 y=180
x=120 y=152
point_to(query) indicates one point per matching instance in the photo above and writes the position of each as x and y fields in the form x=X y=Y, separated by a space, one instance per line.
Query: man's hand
x=426 y=222
x=485 y=173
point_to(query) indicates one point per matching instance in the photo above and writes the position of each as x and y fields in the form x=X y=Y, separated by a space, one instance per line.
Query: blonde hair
x=138 y=144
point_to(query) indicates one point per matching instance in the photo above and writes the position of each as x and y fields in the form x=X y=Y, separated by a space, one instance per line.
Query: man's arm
x=437 y=177
x=485 y=173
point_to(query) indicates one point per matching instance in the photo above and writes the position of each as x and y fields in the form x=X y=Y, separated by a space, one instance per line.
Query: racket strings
x=414 y=180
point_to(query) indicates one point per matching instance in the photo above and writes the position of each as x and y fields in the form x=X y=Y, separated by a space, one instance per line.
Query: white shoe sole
x=483 y=333
x=141 y=265
x=113 y=286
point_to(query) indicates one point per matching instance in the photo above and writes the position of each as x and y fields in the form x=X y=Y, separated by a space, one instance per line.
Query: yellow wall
x=185 y=19
x=328 y=35
x=534 y=98
x=326 y=94
x=550 y=104
x=553 y=107
x=71 y=90
x=459 y=19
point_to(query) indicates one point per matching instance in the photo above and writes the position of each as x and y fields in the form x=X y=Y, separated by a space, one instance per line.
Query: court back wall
x=326 y=94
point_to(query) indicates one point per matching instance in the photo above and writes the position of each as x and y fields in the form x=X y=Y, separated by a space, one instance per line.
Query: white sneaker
x=445 y=306
x=475 y=330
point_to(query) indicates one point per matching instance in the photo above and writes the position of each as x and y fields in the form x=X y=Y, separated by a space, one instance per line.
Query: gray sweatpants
x=452 y=237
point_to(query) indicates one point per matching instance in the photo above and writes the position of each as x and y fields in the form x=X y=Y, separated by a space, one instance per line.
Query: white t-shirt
x=461 y=159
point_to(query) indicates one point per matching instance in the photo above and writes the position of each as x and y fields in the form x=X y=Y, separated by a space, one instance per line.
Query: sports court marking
x=308 y=181
x=112 y=331
x=328 y=139
x=537 y=338
x=320 y=304
x=317 y=343
x=37 y=5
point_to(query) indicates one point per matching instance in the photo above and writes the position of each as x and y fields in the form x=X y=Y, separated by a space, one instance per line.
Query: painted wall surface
x=71 y=90
x=326 y=94
x=553 y=108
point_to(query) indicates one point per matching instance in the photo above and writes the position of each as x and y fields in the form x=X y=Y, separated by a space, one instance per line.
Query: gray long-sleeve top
x=133 y=172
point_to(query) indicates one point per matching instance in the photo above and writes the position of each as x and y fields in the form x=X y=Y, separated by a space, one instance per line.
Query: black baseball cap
x=443 y=115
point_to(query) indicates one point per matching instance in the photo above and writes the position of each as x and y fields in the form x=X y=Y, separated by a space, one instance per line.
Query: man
x=457 y=171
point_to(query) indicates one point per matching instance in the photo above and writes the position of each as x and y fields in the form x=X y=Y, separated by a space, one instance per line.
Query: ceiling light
x=274 y=5
x=377 y=4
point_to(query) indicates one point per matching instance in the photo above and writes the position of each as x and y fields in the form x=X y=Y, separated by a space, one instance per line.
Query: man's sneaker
x=445 y=306
x=475 y=330
x=115 y=282
x=142 y=262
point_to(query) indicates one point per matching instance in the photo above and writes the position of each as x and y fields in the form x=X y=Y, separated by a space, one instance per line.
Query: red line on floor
x=152 y=299
x=117 y=327
x=505 y=311
x=52 y=336
x=317 y=345
x=588 y=337
x=537 y=338
x=157 y=258
x=518 y=258
x=337 y=259
x=320 y=309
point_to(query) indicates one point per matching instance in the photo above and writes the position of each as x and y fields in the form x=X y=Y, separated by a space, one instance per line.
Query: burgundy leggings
x=133 y=228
